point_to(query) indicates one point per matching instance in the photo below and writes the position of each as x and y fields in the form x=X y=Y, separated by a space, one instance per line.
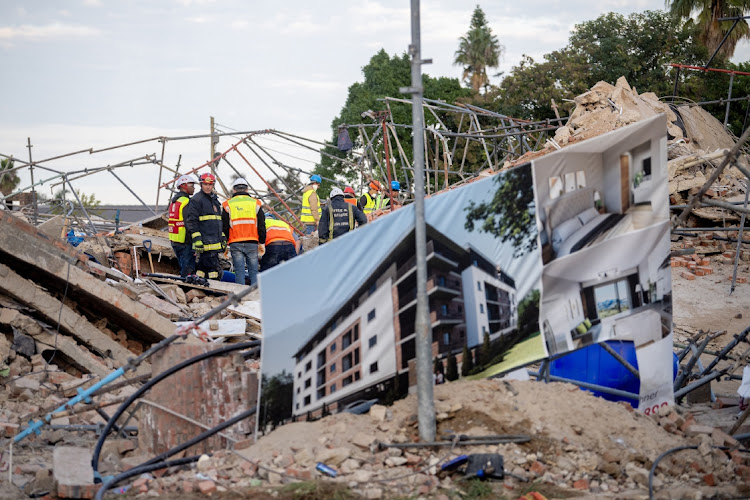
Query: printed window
x=321 y=358
x=308 y=366
x=308 y=383
x=346 y=362
x=346 y=340
x=373 y=340
x=371 y=315
x=356 y=356
x=333 y=348
x=321 y=393
x=333 y=368
x=374 y=367
x=446 y=338
x=479 y=286
x=444 y=309
x=333 y=388
x=441 y=281
x=481 y=308
x=356 y=332
x=356 y=375
x=307 y=400
x=346 y=381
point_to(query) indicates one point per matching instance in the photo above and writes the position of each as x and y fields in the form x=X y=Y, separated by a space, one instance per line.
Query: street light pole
x=426 y=402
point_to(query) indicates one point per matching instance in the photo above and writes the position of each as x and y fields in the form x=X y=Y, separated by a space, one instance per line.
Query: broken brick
x=687 y=275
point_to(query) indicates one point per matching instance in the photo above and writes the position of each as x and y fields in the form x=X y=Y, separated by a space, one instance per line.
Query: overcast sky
x=95 y=73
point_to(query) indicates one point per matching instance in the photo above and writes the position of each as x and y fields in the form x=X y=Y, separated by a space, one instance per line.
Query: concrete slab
x=71 y=323
x=74 y=476
x=224 y=327
x=249 y=309
x=35 y=256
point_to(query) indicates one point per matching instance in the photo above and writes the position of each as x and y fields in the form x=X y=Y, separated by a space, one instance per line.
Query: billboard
x=538 y=260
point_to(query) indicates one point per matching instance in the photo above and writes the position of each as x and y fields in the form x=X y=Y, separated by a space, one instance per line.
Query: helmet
x=395 y=186
x=186 y=179
x=240 y=182
x=375 y=185
x=316 y=178
x=349 y=189
x=208 y=178
x=269 y=215
x=336 y=192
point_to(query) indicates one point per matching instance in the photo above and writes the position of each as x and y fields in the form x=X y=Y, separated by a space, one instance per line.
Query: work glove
x=223 y=245
x=261 y=250
x=198 y=246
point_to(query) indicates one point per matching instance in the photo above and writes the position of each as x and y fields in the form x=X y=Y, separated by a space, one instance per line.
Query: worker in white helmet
x=181 y=241
x=245 y=224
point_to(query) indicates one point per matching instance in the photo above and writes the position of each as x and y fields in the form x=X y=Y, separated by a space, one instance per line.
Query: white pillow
x=587 y=215
x=565 y=230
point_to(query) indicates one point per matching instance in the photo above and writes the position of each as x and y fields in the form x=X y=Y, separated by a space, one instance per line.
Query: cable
x=141 y=470
x=145 y=387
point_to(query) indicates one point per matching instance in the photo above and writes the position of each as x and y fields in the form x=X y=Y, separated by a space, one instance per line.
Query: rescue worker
x=372 y=200
x=349 y=197
x=310 y=214
x=395 y=189
x=181 y=242
x=338 y=217
x=244 y=223
x=203 y=224
x=280 y=243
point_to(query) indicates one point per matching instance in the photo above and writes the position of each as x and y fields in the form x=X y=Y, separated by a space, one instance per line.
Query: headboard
x=568 y=205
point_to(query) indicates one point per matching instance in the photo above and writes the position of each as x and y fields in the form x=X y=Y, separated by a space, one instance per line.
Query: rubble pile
x=709 y=252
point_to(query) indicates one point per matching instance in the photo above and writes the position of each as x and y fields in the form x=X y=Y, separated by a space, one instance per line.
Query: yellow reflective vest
x=177 y=231
x=306 y=215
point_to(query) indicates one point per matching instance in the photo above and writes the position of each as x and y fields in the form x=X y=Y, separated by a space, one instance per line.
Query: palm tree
x=478 y=50
x=711 y=30
x=8 y=181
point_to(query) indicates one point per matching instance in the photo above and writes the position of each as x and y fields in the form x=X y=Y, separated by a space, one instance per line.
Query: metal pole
x=33 y=191
x=729 y=97
x=387 y=161
x=739 y=240
x=426 y=403
x=133 y=192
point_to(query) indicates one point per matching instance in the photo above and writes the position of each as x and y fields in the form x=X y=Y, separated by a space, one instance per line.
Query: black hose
x=141 y=469
x=200 y=437
x=656 y=462
x=145 y=387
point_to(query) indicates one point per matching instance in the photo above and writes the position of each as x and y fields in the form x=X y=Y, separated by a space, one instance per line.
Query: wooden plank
x=249 y=309
x=225 y=327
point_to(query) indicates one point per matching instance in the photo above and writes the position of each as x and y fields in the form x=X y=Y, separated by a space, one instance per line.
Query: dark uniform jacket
x=338 y=217
x=203 y=215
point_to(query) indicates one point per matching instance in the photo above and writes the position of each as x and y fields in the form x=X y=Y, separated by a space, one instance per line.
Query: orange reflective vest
x=352 y=201
x=243 y=218
x=176 y=221
x=277 y=230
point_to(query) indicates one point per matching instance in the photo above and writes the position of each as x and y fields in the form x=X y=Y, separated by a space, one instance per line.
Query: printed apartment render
x=370 y=342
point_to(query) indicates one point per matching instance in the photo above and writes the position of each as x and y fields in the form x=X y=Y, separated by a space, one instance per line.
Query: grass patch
x=531 y=349
x=315 y=490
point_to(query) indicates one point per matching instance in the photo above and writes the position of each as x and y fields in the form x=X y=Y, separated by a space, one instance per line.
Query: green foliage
x=59 y=202
x=478 y=50
x=711 y=31
x=528 y=313
x=8 y=181
x=468 y=361
x=485 y=352
x=476 y=489
x=510 y=214
x=276 y=398
x=639 y=47
x=383 y=76
x=451 y=371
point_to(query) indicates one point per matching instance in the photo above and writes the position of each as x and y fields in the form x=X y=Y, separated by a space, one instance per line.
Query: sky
x=83 y=74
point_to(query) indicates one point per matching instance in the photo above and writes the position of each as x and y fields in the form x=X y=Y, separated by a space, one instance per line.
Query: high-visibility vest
x=352 y=201
x=177 y=231
x=373 y=203
x=306 y=215
x=277 y=230
x=243 y=218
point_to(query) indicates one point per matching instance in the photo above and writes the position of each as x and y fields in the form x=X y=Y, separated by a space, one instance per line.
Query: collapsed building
x=70 y=316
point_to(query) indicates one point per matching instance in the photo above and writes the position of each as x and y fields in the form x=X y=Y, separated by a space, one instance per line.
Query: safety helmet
x=269 y=215
x=374 y=185
x=349 y=189
x=395 y=186
x=336 y=192
x=208 y=178
x=186 y=179
x=316 y=178
x=240 y=182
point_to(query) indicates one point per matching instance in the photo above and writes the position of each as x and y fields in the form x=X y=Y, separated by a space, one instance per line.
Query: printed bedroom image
x=605 y=242
x=602 y=188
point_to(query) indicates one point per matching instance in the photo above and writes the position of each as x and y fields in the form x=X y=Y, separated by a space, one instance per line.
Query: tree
x=478 y=50
x=58 y=203
x=467 y=363
x=528 y=313
x=711 y=31
x=510 y=214
x=451 y=371
x=485 y=352
x=276 y=399
x=9 y=181
x=383 y=77
x=638 y=47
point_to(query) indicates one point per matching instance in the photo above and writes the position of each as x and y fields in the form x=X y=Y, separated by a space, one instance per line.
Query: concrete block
x=74 y=476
